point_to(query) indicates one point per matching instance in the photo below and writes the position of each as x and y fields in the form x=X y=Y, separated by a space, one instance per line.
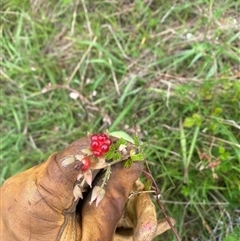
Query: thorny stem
x=114 y=162
x=157 y=195
x=108 y=171
x=106 y=176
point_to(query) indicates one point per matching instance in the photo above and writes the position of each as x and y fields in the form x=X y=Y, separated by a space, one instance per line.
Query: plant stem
x=157 y=195
x=106 y=176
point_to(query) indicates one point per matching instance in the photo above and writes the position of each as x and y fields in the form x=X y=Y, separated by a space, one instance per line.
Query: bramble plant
x=104 y=151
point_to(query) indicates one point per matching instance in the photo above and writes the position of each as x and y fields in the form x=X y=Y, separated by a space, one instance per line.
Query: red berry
x=100 y=144
x=104 y=148
x=95 y=145
x=97 y=153
x=94 y=137
x=108 y=142
x=102 y=137
x=85 y=164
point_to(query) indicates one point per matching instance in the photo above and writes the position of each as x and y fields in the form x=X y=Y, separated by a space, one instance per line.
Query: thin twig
x=157 y=195
x=116 y=40
x=81 y=60
x=114 y=78
x=196 y=203
x=87 y=18
x=74 y=19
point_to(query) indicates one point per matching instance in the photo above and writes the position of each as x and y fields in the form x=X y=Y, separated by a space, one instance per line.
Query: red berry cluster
x=100 y=144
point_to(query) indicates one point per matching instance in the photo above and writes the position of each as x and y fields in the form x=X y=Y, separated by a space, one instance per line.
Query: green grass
x=168 y=69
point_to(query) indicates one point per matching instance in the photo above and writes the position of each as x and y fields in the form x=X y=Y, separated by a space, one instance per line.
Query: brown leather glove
x=139 y=220
x=43 y=203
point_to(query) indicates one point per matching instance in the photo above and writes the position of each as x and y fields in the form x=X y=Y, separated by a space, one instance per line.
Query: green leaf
x=189 y=122
x=234 y=236
x=136 y=140
x=138 y=157
x=217 y=111
x=128 y=163
x=123 y=135
x=117 y=156
x=221 y=150
x=110 y=153
x=224 y=156
x=120 y=142
x=148 y=185
x=197 y=119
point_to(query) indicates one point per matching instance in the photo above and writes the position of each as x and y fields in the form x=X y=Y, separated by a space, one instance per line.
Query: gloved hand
x=50 y=201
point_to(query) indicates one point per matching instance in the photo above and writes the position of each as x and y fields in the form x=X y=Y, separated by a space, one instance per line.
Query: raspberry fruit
x=100 y=144
x=85 y=164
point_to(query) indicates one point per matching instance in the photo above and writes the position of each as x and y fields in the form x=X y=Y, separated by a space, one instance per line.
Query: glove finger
x=164 y=226
x=148 y=227
x=146 y=218
x=140 y=215
x=139 y=221
x=99 y=223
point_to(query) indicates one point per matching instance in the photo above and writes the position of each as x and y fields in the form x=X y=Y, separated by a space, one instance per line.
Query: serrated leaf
x=128 y=163
x=117 y=156
x=120 y=142
x=136 y=140
x=138 y=157
x=109 y=154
